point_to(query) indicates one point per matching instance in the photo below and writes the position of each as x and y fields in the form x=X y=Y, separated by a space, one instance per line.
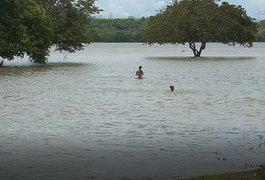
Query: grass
x=258 y=174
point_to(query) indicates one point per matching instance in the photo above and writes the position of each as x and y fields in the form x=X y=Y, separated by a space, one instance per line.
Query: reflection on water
x=92 y=118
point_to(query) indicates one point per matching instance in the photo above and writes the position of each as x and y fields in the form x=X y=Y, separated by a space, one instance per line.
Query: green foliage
x=191 y=21
x=31 y=27
x=262 y=24
x=258 y=174
x=117 y=30
x=70 y=22
x=24 y=29
x=260 y=36
x=234 y=26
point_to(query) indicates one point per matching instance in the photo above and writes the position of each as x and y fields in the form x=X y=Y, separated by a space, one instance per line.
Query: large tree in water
x=31 y=27
x=201 y=21
x=70 y=19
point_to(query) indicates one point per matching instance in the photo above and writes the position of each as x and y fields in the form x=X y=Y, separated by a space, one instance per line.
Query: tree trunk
x=197 y=53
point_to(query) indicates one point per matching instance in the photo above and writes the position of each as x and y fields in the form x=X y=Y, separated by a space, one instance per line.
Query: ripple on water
x=96 y=120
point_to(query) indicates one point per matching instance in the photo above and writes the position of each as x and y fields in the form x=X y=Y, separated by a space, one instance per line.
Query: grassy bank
x=258 y=174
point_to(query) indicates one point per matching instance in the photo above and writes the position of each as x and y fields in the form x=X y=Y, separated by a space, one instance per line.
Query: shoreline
x=256 y=174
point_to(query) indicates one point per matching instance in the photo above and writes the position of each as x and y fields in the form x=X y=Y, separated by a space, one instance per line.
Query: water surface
x=87 y=116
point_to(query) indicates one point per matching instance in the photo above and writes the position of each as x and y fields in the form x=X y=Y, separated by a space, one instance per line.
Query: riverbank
x=258 y=174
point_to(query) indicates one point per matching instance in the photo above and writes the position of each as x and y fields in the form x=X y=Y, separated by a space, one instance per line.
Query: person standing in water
x=140 y=72
x=172 y=88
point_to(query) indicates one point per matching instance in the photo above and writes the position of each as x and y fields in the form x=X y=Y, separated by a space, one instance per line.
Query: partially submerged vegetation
x=31 y=27
x=197 y=23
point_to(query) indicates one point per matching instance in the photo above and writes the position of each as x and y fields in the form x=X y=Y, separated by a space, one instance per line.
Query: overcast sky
x=140 y=8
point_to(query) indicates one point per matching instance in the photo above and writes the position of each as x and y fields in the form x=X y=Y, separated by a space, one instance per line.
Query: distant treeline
x=260 y=36
x=131 y=29
x=117 y=30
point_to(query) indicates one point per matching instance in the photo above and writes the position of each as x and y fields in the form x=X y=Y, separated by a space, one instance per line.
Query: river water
x=86 y=116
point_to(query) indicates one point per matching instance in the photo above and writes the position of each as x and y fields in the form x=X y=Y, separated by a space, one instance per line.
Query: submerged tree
x=70 y=20
x=201 y=21
x=31 y=27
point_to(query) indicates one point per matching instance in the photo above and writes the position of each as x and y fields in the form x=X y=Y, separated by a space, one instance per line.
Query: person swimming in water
x=140 y=72
x=172 y=88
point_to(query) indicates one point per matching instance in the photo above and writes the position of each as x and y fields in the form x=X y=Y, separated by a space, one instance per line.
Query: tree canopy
x=203 y=21
x=31 y=27
x=24 y=29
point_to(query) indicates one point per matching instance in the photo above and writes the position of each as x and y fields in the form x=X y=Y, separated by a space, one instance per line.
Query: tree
x=201 y=21
x=24 y=29
x=31 y=27
x=70 y=19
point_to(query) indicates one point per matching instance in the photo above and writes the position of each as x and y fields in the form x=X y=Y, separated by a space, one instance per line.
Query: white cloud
x=140 y=8
x=160 y=4
x=125 y=8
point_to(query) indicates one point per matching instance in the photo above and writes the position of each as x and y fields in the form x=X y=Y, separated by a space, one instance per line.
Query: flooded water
x=86 y=116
